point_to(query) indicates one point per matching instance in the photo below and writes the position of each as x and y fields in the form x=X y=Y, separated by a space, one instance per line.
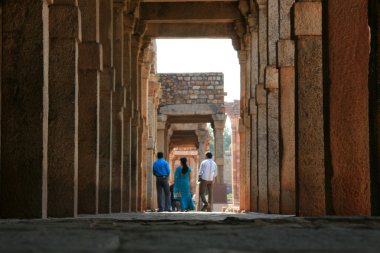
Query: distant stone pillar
x=161 y=133
x=285 y=48
x=117 y=105
x=23 y=181
x=271 y=85
x=90 y=65
x=63 y=109
x=219 y=121
x=310 y=100
x=235 y=141
x=107 y=80
x=154 y=87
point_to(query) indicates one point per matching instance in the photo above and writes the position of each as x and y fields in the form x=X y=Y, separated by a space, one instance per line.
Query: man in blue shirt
x=161 y=170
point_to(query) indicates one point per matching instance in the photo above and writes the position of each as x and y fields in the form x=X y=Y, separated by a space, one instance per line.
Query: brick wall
x=192 y=88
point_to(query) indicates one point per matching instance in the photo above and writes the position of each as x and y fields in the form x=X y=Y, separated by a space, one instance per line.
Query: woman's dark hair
x=160 y=155
x=209 y=155
x=185 y=168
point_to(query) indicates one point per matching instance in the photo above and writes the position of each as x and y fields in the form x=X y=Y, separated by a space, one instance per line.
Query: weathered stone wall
x=192 y=88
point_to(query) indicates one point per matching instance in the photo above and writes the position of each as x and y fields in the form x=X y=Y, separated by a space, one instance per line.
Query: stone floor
x=191 y=232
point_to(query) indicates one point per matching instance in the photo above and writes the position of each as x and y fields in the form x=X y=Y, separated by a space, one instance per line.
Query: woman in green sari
x=182 y=179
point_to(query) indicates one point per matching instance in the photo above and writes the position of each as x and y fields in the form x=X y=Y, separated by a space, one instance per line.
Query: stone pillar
x=63 y=109
x=107 y=80
x=261 y=100
x=117 y=105
x=253 y=24
x=219 y=121
x=348 y=37
x=310 y=119
x=154 y=87
x=90 y=65
x=285 y=61
x=245 y=169
x=235 y=149
x=127 y=113
x=136 y=120
x=24 y=68
x=161 y=133
x=271 y=85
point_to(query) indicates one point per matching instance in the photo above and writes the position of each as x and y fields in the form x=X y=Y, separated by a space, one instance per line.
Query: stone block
x=261 y=95
x=271 y=78
x=285 y=18
x=90 y=56
x=65 y=22
x=286 y=52
x=308 y=18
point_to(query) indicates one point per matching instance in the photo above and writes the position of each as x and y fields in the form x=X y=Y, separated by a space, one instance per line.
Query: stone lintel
x=199 y=30
x=90 y=56
x=186 y=109
x=271 y=78
x=261 y=95
x=65 y=20
x=189 y=12
x=286 y=53
x=308 y=18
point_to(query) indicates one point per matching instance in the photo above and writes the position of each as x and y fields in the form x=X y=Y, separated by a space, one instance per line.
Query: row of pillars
x=304 y=121
x=74 y=114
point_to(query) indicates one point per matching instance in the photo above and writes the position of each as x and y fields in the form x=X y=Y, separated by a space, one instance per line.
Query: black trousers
x=162 y=184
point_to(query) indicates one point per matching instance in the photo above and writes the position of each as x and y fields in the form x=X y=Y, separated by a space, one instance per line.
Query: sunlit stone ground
x=191 y=232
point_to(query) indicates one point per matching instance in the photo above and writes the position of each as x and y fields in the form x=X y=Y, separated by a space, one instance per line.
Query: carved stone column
x=63 y=109
x=135 y=132
x=310 y=101
x=90 y=65
x=285 y=61
x=271 y=85
x=24 y=167
x=219 y=121
x=261 y=100
x=128 y=111
x=117 y=105
x=154 y=87
x=107 y=80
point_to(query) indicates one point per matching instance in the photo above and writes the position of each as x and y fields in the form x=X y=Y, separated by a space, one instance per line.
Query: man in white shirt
x=207 y=172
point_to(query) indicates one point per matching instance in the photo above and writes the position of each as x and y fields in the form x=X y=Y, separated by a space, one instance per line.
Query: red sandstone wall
x=348 y=44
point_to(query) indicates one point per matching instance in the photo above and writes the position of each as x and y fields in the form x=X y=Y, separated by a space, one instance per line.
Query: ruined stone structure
x=79 y=97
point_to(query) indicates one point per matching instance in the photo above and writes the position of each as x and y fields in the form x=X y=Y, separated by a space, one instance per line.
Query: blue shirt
x=161 y=168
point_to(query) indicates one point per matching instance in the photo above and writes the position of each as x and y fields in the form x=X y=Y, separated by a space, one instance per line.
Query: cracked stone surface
x=191 y=232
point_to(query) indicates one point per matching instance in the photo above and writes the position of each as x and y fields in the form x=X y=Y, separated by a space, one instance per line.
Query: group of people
x=180 y=192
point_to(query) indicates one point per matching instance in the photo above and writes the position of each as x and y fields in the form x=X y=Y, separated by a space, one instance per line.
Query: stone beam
x=186 y=109
x=190 y=119
x=208 y=30
x=190 y=12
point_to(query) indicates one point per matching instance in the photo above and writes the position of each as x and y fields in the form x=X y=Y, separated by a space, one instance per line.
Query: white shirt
x=208 y=170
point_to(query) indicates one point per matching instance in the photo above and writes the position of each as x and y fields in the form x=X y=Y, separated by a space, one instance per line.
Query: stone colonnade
x=306 y=126
x=75 y=108
x=75 y=78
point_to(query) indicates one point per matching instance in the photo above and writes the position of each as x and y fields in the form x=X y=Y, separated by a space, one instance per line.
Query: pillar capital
x=219 y=121
x=253 y=23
